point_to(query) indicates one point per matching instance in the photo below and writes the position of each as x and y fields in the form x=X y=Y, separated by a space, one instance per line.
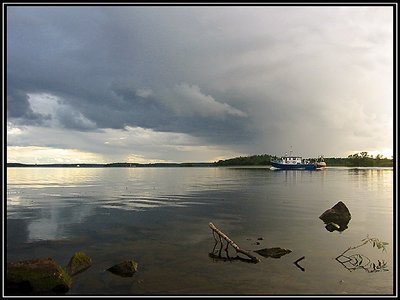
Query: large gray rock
x=337 y=217
x=37 y=276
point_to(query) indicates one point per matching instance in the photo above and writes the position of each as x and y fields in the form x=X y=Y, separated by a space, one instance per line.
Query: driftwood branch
x=232 y=243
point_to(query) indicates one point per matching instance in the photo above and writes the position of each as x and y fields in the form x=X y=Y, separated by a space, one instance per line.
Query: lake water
x=159 y=217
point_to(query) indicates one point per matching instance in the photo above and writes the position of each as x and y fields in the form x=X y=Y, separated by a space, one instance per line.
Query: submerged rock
x=273 y=252
x=79 y=262
x=125 y=269
x=336 y=217
x=332 y=227
x=37 y=276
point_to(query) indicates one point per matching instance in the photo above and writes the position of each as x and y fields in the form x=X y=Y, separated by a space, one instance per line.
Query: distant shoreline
x=111 y=165
x=169 y=165
x=357 y=160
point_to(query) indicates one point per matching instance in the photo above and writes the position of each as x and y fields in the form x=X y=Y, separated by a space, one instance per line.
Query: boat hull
x=294 y=166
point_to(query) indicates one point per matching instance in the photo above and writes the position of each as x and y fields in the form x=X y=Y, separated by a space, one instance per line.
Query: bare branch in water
x=232 y=243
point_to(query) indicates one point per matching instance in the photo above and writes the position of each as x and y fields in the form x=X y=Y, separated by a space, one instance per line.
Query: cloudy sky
x=197 y=83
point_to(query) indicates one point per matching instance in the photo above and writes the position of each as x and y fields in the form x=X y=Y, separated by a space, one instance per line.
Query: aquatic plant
x=359 y=261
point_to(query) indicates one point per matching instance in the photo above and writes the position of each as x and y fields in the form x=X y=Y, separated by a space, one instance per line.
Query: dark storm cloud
x=242 y=76
x=97 y=60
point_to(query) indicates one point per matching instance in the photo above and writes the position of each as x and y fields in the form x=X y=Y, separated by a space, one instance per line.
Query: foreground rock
x=125 y=269
x=79 y=262
x=273 y=252
x=37 y=276
x=337 y=217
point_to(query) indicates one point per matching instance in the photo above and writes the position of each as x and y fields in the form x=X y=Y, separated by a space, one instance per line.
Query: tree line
x=362 y=159
x=254 y=160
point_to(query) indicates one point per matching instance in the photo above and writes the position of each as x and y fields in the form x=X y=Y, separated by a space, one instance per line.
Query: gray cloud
x=21 y=110
x=257 y=79
x=74 y=120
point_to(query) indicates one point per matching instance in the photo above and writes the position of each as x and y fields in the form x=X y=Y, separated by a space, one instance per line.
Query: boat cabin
x=292 y=160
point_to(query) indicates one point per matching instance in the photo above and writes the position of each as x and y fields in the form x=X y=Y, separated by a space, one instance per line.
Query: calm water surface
x=159 y=217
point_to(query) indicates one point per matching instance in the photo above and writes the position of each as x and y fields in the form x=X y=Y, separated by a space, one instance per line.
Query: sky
x=101 y=84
